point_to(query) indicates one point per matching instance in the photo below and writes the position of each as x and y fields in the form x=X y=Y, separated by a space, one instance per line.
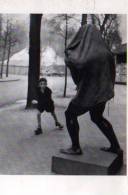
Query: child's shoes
x=59 y=125
x=38 y=131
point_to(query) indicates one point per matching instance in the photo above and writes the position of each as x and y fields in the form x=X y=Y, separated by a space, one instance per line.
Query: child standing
x=45 y=103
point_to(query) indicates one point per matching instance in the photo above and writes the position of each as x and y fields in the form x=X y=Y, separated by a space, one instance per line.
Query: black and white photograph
x=63 y=94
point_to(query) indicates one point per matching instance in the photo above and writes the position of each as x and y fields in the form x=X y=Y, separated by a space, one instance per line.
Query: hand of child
x=34 y=101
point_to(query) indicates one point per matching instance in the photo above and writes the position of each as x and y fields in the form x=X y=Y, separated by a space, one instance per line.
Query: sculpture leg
x=71 y=115
x=105 y=126
x=73 y=128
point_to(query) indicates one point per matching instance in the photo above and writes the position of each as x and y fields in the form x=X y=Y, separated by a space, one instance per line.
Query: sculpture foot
x=112 y=150
x=71 y=151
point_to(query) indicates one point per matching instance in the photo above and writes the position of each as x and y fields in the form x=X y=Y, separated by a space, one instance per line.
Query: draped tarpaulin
x=92 y=67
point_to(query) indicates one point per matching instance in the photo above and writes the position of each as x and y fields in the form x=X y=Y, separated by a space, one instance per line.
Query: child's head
x=43 y=83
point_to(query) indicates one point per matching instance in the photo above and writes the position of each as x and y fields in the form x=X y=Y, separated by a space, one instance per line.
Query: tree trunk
x=2 y=62
x=84 y=19
x=106 y=18
x=34 y=57
x=8 y=58
x=3 y=56
x=0 y=27
x=93 y=18
x=66 y=32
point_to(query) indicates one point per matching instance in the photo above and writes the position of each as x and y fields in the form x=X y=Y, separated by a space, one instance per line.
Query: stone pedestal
x=93 y=161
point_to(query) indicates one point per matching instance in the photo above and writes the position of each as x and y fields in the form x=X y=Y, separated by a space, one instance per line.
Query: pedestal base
x=93 y=161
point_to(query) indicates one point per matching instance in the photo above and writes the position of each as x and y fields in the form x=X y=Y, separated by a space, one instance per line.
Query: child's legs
x=50 y=108
x=54 y=116
x=39 y=118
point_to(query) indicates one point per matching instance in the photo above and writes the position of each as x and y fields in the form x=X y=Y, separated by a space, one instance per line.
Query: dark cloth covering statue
x=92 y=68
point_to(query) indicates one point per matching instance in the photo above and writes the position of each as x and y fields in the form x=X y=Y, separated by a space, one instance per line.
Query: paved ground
x=23 y=153
x=12 y=89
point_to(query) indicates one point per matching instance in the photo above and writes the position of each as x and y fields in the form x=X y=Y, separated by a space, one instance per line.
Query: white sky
x=123 y=27
x=122 y=21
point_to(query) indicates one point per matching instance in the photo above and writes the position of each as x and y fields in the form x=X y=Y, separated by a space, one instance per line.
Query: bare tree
x=56 y=23
x=108 y=26
x=8 y=58
x=0 y=34
x=10 y=36
x=66 y=37
x=64 y=32
x=3 y=46
x=0 y=28
x=84 y=19
x=93 y=18
x=34 y=57
x=12 y=40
